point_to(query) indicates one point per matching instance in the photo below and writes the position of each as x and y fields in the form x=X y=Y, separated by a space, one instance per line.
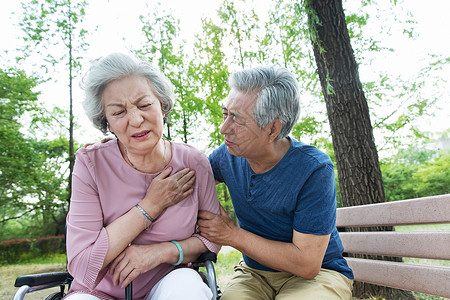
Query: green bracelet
x=180 y=250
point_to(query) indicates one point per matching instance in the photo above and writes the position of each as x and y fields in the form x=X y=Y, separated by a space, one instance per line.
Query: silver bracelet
x=147 y=225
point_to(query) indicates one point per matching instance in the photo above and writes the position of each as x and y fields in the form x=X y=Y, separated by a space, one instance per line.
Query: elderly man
x=283 y=194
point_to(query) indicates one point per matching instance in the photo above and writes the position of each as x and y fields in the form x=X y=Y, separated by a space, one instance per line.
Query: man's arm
x=303 y=257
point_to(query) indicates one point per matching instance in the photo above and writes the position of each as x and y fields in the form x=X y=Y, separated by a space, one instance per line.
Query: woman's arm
x=164 y=191
x=91 y=246
x=138 y=259
x=207 y=195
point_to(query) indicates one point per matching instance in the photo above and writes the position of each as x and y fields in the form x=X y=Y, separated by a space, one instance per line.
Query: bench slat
x=401 y=244
x=424 y=279
x=427 y=210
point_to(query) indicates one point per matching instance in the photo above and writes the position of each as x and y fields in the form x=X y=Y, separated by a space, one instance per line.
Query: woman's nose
x=135 y=117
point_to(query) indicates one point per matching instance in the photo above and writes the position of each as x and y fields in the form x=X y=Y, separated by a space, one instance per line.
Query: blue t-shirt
x=298 y=193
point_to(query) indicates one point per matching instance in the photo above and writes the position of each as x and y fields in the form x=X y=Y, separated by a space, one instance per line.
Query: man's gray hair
x=117 y=66
x=278 y=95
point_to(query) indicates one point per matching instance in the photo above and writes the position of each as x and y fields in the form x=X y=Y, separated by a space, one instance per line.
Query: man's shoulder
x=310 y=153
x=220 y=152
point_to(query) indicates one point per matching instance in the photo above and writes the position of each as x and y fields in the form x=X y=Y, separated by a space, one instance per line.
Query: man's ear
x=275 y=129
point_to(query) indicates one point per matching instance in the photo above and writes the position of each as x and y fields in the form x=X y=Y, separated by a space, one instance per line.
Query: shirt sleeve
x=316 y=203
x=87 y=240
x=215 y=158
x=207 y=194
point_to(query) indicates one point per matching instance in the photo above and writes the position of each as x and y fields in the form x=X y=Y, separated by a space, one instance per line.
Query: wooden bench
x=428 y=279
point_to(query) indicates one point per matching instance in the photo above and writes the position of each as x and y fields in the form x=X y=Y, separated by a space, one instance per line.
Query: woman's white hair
x=116 y=66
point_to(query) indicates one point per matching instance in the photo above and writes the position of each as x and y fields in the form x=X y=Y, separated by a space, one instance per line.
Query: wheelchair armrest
x=206 y=260
x=56 y=278
x=205 y=257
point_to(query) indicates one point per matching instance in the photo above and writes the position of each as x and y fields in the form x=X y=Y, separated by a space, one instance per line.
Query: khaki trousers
x=249 y=283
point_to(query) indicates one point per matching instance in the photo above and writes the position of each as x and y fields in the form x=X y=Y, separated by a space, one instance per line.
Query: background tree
x=187 y=114
x=32 y=184
x=163 y=47
x=211 y=72
x=55 y=26
x=358 y=167
x=286 y=42
x=416 y=171
x=240 y=26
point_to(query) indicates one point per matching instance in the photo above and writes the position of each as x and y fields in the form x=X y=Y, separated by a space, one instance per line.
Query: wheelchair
x=35 y=282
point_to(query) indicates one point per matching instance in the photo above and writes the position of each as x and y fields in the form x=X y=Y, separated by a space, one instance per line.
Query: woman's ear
x=110 y=129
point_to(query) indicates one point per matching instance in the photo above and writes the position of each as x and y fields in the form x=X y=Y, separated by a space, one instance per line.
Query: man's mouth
x=228 y=142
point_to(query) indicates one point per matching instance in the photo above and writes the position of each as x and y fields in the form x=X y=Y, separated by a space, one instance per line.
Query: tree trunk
x=71 y=136
x=357 y=162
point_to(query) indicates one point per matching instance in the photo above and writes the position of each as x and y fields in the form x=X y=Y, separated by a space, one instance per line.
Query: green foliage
x=161 y=31
x=47 y=258
x=225 y=266
x=240 y=26
x=225 y=200
x=307 y=127
x=433 y=178
x=31 y=168
x=286 y=42
x=51 y=26
x=211 y=72
x=56 y=26
x=26 y=250
x=414 y=173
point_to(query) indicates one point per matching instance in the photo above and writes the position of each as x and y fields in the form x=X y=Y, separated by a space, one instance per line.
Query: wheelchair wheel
x=55 y=296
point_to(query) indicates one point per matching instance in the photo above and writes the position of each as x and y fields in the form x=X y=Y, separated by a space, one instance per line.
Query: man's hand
x=219 y=229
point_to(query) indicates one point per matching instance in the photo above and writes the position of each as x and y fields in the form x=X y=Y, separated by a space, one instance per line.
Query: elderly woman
x=135 y=199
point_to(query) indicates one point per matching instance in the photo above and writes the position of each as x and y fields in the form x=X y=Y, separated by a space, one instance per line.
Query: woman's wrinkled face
x=133 y=113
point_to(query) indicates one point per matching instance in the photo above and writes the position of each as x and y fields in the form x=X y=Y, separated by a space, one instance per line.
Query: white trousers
x=183 y=283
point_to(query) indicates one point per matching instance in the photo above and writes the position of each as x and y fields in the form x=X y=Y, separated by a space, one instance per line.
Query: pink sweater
x=105 y=187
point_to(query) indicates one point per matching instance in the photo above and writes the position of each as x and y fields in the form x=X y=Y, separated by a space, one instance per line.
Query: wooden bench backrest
x=434 y=280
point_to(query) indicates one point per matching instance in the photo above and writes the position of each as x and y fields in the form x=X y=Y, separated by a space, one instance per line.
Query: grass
x=9 y=273
x=57 y=263
x=224 y=267
x=428 y=227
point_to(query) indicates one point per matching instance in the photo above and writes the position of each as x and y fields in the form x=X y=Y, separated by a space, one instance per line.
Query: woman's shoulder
x=102 y=148
x=189 y=155
x=186 y=149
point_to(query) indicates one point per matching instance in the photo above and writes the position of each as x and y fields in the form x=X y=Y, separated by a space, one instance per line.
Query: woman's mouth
x=141 y=135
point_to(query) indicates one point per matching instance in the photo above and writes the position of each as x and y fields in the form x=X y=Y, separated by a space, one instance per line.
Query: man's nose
x=225 y=128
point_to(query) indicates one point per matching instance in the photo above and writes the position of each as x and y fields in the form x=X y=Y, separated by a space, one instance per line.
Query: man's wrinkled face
x=243 y=137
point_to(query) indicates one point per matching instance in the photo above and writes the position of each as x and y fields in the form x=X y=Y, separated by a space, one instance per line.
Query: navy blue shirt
x=298 y=194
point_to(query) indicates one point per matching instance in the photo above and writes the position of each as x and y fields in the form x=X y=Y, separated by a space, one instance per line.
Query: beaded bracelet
x=146 y=215
x=180 y=250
